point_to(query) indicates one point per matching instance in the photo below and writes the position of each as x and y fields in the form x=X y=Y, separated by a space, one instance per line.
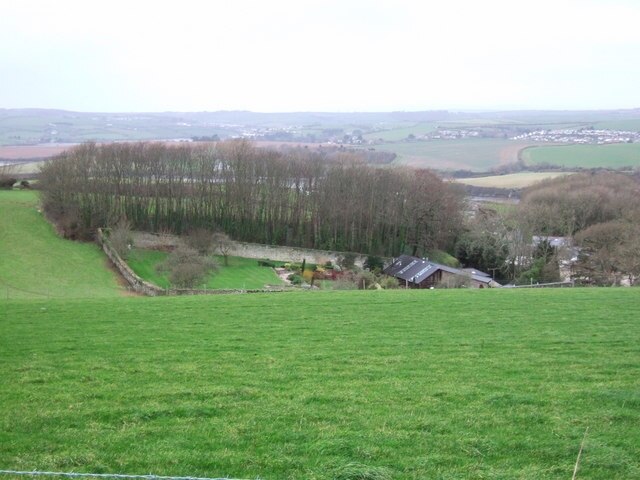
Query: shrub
x=266 y=263
x=201 y=240
x=347 y=261
x=295 y=279
x=345 y=283
x=120 y=238
x=388 y=283
x=7 y=181
x=364 y=279
x=374 y=263
x=186 y=267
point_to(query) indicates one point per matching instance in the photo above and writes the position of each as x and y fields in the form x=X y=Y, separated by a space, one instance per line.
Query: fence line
x=104 y=475
x=543 y=285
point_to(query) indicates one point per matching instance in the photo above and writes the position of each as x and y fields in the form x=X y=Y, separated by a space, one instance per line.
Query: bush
x=186 y=267
x=120 y=238
x=266 y=263
x=347 y=261
x=201 y=240
x=374 y=263
x=6 y=182
x=365 y=280
x=388 y=283
x=344 y=283
x=295 y=279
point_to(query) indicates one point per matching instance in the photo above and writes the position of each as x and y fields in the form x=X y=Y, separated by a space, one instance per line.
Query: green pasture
x=586 y=156
x=632 y=124
x=476 y=154
x=498 y=384
x=36 y=263
x=401 y=133
x=242 y=273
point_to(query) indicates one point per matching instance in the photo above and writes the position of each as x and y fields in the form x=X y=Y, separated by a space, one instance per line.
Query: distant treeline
x=297 y=197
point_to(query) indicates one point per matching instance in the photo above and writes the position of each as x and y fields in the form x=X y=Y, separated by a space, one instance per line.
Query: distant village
x=582 y=135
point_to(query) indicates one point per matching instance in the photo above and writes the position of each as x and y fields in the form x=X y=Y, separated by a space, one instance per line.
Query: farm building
x=414 y=272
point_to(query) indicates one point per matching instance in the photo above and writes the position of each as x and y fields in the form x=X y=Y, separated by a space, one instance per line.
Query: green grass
x=241 y=272
x=35 y=262
x=586 y=156
x=401 y=133
x=442 y=384
x=632 y=124
x=477 y=154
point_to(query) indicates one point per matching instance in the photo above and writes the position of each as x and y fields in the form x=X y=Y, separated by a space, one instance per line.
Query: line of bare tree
x=304 y=198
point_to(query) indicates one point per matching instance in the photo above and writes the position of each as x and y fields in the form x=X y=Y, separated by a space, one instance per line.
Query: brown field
x=513 y=180
x=23 y=152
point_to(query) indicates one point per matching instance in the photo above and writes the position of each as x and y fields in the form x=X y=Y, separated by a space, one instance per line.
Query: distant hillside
x=34 y=126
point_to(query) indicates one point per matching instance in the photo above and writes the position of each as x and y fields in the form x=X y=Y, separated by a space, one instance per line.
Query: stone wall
x=250 y=250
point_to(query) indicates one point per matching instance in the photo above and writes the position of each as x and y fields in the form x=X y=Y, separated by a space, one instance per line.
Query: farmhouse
x=414 y=272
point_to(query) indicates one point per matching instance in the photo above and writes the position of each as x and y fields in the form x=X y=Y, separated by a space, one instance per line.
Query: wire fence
x=37 y=473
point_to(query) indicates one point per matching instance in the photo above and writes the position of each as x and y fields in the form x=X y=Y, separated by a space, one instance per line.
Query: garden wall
x=145 y=288
x=250 y=250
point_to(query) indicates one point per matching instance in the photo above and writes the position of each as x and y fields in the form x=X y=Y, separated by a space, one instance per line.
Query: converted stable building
x=414 y=272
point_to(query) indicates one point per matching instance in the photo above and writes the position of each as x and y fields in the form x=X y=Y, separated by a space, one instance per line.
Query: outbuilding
x=414 y=272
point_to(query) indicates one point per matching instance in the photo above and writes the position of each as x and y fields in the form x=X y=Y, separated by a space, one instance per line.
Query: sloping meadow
x=387 y=385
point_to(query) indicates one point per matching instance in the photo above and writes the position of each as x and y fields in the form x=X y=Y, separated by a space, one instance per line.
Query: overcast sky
x=281 y=55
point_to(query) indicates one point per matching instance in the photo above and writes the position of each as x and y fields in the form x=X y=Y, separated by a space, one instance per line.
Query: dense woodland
x=330 y=200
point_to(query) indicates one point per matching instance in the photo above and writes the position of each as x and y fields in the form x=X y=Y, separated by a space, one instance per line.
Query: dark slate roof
x=416 y=270
x=474 y=271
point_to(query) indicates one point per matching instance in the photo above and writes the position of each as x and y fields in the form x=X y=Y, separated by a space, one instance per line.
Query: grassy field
x=475 y=154
x=587 y=156
x=35 y=262
x=512 y=180
x=399 y=384
x=401 y=133
x=241 y=272
x=628 y=125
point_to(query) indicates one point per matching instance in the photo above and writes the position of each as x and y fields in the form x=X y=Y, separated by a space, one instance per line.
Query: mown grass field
x=35 y=262
x=241 y=273
x=512 y=180
x=402 y=132
x=587 y=156
x=403 y=384
x=476 y=154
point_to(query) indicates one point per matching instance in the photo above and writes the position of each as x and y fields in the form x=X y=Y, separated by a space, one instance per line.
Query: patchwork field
x=586 y=156
x=35 y=262
x=347 y=385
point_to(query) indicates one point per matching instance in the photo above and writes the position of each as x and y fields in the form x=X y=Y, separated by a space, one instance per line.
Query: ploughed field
x=321 y=385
